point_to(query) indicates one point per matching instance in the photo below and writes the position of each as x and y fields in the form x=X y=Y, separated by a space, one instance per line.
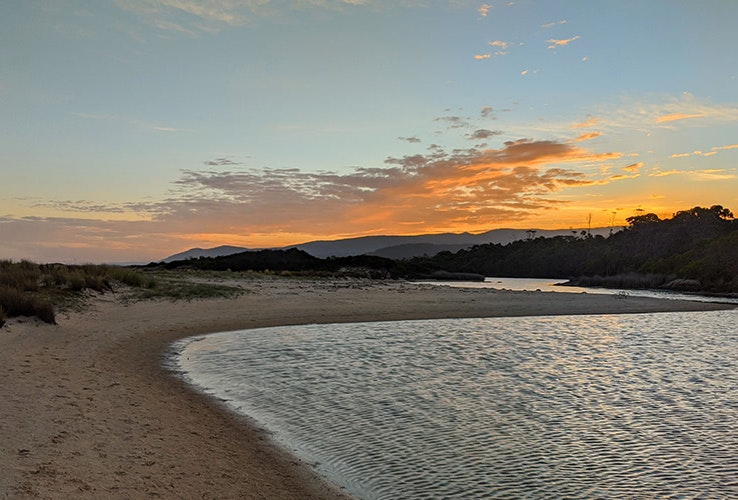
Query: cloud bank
x=466 y=189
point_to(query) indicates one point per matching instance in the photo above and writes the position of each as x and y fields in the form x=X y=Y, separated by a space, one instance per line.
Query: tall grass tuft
x=24 y=275
x=15 y=302
x=28 y=289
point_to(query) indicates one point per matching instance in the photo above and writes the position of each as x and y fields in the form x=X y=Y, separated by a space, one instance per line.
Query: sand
x=87 y=409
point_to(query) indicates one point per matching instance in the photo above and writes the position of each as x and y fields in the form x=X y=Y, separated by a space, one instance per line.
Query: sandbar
x=88 y=410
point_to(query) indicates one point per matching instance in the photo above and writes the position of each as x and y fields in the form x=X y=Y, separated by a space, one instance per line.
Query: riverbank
x=88 y=411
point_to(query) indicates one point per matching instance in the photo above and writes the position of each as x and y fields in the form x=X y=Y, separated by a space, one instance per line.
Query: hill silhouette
x=695 y=250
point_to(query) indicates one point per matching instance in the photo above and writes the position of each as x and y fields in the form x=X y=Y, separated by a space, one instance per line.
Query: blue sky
x=133 y=129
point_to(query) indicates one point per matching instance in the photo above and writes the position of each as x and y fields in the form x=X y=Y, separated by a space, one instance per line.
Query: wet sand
x=87 y=409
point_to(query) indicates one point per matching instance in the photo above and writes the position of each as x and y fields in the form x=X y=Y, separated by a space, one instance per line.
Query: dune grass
x=187 y=285
x=40 y=290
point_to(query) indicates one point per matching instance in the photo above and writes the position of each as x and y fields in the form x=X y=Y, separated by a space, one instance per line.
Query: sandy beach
x=87 y=409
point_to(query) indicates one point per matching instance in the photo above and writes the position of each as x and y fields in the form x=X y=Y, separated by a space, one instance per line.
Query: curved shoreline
x=89 y=409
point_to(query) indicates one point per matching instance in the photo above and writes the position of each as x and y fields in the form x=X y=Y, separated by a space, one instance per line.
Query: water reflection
x=555 y=285
x=548 y=407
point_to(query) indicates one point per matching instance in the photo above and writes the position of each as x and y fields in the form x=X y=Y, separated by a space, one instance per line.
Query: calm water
x=630 y=406
x=555 y=285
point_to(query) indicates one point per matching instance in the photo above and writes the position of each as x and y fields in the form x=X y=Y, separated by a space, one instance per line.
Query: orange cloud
x=633 y=167
x=591 y=122
x=465 y=187
x=561 y=42
x=665 y=173
x=700 y=153
x=588 y=136
x=620 y=177
x=227 y=203
x=705 y=174
x=482 y=56
x=732 y=146
x=672 y=117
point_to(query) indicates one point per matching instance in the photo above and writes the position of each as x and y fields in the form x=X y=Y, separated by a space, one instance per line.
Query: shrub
x=76 y=282
x=3 y=317
x=126 y=276
x=22 y=275
x=19 y=303
x=45 y=312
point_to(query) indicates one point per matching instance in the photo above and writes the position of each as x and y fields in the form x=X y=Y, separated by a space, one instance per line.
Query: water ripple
x=639 y=406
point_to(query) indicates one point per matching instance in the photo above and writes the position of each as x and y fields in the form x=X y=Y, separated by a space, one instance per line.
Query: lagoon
x=558 y=285
x=569 y=406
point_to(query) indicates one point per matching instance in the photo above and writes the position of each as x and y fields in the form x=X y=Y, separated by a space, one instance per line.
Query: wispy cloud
x=501 y=47
x=589 y=122
x=555 y=43
x=487 y=112
x=484 y=9
x=483 y=134
x=454 y=121
x=160 y=128
x=698 y=152
x=82 y=206
x=212 y=15
x=673 y=117
x=133 y=122
x=482 y=56
x=666 y=112
x=688 y=108
x=410 y=139
x=588 y=136
x=228 y=12
x=703 y=174
x=620 y=177
x=633 y=167
x=221 y=162
x=499 y=44
x=551 y=25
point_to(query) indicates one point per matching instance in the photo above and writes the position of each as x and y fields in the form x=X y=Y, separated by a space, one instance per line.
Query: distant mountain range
x=397 y=247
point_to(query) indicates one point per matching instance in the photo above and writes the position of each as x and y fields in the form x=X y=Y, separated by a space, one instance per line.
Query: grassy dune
x=40 y=290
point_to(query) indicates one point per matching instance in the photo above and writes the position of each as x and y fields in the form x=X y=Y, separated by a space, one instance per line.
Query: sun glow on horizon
x=289 y=122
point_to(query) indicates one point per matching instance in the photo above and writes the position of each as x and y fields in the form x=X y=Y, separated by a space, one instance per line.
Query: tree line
x=696 y=250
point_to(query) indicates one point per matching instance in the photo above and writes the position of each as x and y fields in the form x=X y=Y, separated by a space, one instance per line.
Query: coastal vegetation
x=695 y=250
x=40 y=290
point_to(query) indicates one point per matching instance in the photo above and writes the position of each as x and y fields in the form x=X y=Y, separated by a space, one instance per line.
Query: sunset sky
x=134 y=129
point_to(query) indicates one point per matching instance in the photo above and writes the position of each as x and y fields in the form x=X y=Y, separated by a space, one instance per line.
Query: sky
x=134 y=129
